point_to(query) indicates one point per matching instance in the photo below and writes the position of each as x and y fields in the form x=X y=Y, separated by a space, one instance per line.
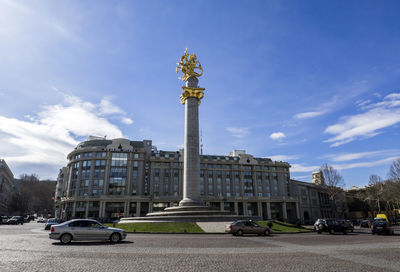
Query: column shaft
x=191 y=164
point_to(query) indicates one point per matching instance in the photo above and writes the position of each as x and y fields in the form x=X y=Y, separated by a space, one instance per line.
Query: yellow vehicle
x=382 y=215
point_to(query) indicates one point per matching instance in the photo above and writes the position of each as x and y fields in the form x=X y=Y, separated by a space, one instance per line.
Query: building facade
x=108 y=179
x=6 y=186
x=313 y=201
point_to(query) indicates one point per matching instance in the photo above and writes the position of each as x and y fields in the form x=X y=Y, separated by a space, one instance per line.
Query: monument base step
x=190 y=214
x=189 y=218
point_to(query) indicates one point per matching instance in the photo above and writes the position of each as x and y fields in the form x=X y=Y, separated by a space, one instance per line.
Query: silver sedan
x=85 y=230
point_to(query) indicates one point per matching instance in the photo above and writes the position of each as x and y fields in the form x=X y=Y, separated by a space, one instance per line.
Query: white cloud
x=277 y=135
x=301 y=177
x=362 y=103
x=309 y=114
x=238 y=132
x=360 y=155
x=368 y=124
x=284 y=157
x=393 y=96
x=126 y=120
x=364 y=164
x=50 y=135
x=323 y=108
x=302 y=168
x=107 y=107
x=33 y=16
x=343 y=95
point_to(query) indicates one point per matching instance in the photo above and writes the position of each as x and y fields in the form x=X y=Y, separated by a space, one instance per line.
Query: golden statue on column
x=189 y=65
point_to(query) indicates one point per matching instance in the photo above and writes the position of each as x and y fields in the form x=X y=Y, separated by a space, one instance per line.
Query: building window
x=119 y=159
x=156 y=189
x=88 y=155
x=100 y=163
x=101 y=154
x=210 y=190
x=86 y=164
x=275 y=187
x=85 y=174
x=117 y=185
x=134 y=181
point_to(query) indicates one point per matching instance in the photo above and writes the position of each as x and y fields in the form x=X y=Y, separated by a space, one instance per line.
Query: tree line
x=380 y=196
x=32 y=195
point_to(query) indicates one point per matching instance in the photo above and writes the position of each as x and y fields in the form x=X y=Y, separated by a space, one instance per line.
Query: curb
x=213 y=233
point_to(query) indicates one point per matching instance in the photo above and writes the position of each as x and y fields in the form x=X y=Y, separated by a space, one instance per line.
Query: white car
x=85 y=230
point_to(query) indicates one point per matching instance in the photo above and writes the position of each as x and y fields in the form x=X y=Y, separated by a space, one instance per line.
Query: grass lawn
x=176 y=227
x=279 y=226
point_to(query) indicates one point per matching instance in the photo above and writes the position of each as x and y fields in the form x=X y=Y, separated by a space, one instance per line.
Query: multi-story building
x=313 y=201
x=6 y=186
x=121 y=178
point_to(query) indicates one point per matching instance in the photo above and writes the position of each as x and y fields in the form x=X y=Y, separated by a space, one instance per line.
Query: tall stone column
x=191 y=96
x=269 y=210
x=138 y=209
x=284 y=211
x=298 y=211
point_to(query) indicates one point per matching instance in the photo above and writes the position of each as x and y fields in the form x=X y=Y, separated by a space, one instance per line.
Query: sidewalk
x=213 y=227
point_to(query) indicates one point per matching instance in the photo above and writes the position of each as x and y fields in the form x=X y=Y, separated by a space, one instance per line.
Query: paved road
x=27 y=248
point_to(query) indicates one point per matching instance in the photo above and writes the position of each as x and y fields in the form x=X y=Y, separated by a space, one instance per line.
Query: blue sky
x=307 y=82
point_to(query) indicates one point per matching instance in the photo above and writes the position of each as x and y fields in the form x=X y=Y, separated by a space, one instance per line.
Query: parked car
x=330 y=225
x=41 y=220
x=3 y=219
x=365 y=224
x=15 y=220
x=28 y=218
x=50 y=222
x=85 y=230
x=348 y=224
x=241 y=227
x=381 y=226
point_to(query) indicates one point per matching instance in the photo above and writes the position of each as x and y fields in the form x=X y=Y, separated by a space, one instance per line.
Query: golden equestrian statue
x=187 y=65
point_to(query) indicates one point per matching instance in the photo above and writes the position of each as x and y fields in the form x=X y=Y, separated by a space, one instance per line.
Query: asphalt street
x=28 y=248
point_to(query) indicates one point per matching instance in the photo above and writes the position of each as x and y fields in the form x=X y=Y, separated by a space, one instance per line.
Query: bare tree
x=394 y=170
x=333 y=186
x=375 y=190
x=333 y=181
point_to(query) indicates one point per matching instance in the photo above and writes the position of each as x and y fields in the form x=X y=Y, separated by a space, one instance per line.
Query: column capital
x=191 y=92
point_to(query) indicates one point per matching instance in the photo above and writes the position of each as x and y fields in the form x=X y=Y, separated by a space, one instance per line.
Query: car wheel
x=319 y=231
x=239 y=232
x=345 y=232
x=115 y=237
x=66 y=238
x=267 y=232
